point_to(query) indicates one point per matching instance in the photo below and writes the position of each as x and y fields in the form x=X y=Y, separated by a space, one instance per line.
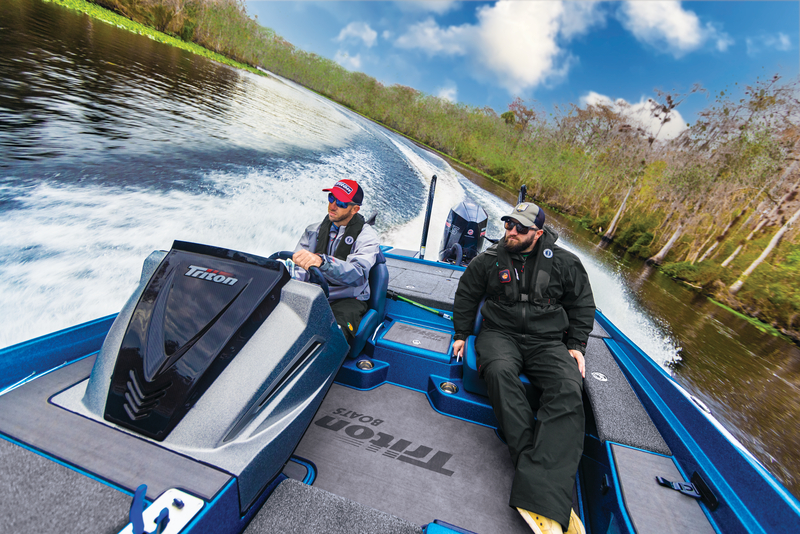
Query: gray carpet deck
x=27 y=416
x=432 y=285
x=655 y=509
x=620 y=416
x=297 y=508
x=41 y=496
x=387 y=449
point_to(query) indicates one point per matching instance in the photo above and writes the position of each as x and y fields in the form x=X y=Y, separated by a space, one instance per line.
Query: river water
x=113 y=145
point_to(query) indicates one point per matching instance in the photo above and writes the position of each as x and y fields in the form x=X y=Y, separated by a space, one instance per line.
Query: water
x=113 y=145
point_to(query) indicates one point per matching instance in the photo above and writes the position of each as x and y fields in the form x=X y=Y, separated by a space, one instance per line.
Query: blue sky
x=550 y=52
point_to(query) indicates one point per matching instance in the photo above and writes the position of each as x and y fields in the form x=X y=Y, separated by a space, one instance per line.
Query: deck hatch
x=418 y=337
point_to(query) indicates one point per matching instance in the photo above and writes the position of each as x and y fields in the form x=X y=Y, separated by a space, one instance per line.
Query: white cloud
x=359 y=31
x=667 y=24
x=439 y=7
x=723 y=40
x=639 y=114
x=434 y=40
x=448 y=92
x=579 y=17
x=347 y=61
x=518 y=43
x=756 y=45
x=783 y=42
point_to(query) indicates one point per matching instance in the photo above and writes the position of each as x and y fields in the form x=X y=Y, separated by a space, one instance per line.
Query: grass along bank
x=115 y=19
x=706 y=205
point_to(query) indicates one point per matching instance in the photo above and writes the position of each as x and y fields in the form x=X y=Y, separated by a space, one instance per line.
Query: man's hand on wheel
x=306 y=259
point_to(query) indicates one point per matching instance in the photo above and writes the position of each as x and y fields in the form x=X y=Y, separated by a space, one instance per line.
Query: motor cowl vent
x=138 y=404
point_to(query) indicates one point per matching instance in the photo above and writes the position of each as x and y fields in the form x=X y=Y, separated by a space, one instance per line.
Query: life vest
x=353 y=229
x=542 y=259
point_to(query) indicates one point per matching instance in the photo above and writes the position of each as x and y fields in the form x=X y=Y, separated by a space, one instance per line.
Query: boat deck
x=389 y=450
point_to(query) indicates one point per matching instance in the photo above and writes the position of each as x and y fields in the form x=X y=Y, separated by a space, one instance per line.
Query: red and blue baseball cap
x=347 y=191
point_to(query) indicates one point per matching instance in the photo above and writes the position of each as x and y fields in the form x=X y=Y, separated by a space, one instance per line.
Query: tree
x=737 y=285
x=658 y=258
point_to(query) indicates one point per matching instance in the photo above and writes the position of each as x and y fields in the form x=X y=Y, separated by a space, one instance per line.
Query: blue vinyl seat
x=378 y=283
x=471 y=378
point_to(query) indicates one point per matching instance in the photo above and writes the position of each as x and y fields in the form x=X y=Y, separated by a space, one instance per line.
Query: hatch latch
x=698 y=489
x=683 y=487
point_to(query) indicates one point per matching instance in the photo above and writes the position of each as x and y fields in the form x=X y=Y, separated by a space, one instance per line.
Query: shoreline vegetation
x=717 y=207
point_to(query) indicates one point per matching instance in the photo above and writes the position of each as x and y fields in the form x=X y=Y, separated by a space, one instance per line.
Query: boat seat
x=378 y=283
x=472 y=380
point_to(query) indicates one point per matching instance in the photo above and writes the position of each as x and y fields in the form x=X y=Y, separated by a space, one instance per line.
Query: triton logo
x=204 y=273
x=363 y=418
x=344 y=186
x=404 y=450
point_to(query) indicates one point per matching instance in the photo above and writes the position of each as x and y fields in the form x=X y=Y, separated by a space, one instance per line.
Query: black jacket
x=558 y=306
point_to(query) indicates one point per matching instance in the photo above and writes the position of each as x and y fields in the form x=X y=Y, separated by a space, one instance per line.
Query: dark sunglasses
x=333 y=200
x=521 y=230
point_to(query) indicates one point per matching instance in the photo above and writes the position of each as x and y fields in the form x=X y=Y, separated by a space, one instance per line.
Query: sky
x=552 y=52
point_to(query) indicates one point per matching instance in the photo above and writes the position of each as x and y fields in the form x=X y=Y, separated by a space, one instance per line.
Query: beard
x=340 y=216
x=519 y=245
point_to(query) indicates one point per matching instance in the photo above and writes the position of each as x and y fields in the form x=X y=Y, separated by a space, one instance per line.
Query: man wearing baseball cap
x=538 y=313
x=344 y=248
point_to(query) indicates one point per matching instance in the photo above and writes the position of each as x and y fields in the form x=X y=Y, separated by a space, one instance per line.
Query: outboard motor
x=220 y=356
x=464 y=233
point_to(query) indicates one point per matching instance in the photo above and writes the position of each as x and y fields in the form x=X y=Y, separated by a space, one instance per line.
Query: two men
x=344 y=248
x=538 y=313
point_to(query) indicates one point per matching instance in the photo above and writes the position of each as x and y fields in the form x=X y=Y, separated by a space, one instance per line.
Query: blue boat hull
x=666 y=429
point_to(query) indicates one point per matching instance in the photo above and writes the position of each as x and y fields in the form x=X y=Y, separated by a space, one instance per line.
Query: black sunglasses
x=333 y=200
x=521 y=230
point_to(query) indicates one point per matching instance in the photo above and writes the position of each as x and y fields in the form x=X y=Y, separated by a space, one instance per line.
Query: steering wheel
x=456 y=252
x=316 y=276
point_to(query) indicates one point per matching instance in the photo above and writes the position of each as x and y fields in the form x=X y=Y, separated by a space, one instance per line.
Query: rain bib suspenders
x=542 y=266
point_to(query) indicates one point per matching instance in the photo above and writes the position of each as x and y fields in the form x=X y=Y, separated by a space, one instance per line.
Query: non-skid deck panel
x=619 y=415
x=387 y=449
x=297 y=507
x=431 y=285
x=43 y=497
x=652 y=508
x=416 y=336
x=27 y=416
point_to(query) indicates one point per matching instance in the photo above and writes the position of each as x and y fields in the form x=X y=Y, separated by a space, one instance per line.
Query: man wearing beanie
x=344 y=248
x=538 y=313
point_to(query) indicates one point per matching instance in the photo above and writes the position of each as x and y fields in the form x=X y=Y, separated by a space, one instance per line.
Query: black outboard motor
x=464 y=233
x=219 y=356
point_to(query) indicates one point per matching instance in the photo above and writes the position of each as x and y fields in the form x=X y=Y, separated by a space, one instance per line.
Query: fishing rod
x=427 y=218
x=395 y=296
